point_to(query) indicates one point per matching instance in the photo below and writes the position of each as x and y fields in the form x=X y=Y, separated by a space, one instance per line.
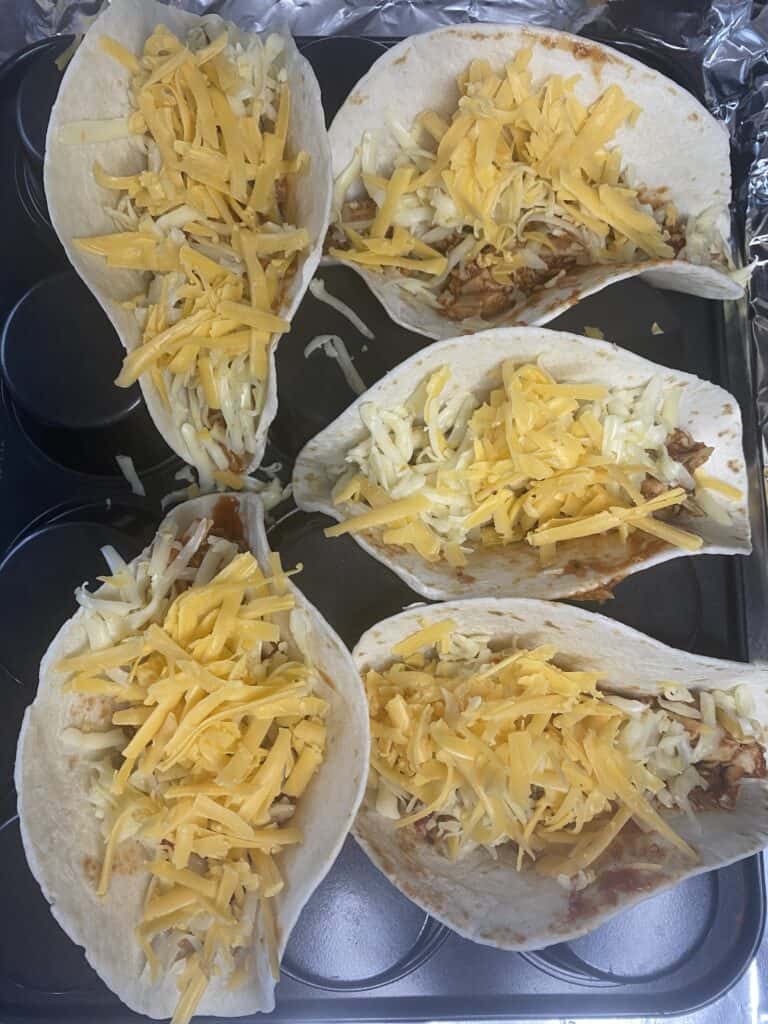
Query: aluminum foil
x=24 y=21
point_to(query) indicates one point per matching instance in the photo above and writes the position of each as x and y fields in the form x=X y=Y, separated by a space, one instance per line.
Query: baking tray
x=360 y=951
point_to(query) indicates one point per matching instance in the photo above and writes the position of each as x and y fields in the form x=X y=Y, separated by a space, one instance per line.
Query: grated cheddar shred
x=208 y=220
x=536 y=460
x=215 y=731
x=480 y=747
x=521 y=185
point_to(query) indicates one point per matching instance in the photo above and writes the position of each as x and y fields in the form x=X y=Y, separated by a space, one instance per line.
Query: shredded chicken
x=723 y=772
x=746 y=759
x=725 y=767
x=445 y=245
x=651 y=487
x=431 y=713
x=673 y=225
x=689 y=453
x=357 y=210
x=471 y=291
x=526 y=183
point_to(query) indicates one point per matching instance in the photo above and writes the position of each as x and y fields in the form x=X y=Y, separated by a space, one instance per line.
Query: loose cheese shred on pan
x=480 y=747
x=334 y=348
x=321 y=293
x=215 y=734
x=208 y=220
x=520 y=185
x=127 y=468
x=536 y=460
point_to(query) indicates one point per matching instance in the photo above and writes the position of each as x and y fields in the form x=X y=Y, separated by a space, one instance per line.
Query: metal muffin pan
x=360 y=951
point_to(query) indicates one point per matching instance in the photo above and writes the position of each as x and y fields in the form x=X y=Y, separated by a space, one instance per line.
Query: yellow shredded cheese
x=522 y=184
x=484 y=747
x=711 y=483
x=539 y=461
x=223 y=734
x=209 y=220
x=394 y=512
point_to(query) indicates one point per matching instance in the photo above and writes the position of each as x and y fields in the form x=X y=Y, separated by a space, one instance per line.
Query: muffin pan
x=361 y=950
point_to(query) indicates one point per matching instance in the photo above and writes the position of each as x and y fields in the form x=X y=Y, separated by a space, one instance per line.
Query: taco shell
x=96 y=86
x=487 y=900
x=709 y=413
x=675 y=149
x=62 y=837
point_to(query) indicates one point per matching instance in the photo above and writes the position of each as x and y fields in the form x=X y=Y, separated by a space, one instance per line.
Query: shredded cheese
x=270 y=491
x=333 y=346
x=208 y=220
x=711 y=483
x=321 y=293
x=215 y=733
x=521 y=184
x=481 y=747
x=127 y=468
x=536 y=460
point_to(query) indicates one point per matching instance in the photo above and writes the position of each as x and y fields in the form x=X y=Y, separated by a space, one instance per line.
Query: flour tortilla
x=97 y=86
x=61 y=835
x=489 y=901
x=676 y=149
x=710 y=414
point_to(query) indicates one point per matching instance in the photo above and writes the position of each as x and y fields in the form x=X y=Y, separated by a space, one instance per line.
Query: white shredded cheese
x=127 y=468
x=199 y=257
x=333 y=346
x=465 y=703
x=319 y=291
x=321 y=341
x=270 y=491
x=424 y=450
x=474 y=208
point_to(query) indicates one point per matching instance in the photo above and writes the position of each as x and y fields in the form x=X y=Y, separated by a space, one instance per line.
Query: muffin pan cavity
x=358 y=932
x=59 y=357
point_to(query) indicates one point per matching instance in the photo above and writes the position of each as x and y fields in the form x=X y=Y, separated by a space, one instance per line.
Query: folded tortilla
x=486 y=899
x=95 y=86
x=675 y=150
x=709 y=413
x=62 y=836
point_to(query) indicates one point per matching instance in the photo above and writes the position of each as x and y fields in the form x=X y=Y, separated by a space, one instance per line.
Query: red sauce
x=227 y=522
